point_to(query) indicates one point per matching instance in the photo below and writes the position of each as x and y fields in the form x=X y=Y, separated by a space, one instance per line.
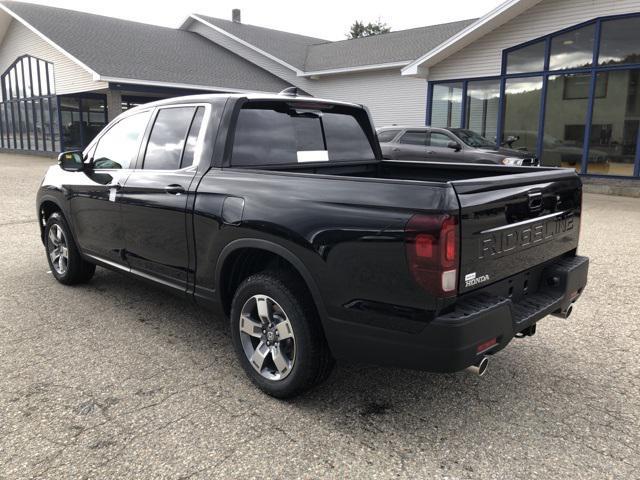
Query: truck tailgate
x=511 y=223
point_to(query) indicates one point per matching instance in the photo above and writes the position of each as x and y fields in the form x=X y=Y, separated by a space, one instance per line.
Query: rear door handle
x=174 y=189
x=395 y=149
x=430 y=152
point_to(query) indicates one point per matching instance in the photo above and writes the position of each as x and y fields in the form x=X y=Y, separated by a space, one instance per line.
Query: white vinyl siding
x=484 y=56
x=390 y=97
x=69 y=76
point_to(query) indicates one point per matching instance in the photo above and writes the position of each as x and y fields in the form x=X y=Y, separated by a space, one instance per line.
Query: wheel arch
x=234 y=253
x=47 y=207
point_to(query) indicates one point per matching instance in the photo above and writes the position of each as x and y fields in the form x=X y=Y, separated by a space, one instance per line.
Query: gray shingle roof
x=137 y=51
x=385 y=48
x=312 y=54
x=290 y=47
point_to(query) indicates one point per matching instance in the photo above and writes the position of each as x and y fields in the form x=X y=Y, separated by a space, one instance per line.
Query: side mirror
x=511 y=139
x=454 y=145
x=71 y=161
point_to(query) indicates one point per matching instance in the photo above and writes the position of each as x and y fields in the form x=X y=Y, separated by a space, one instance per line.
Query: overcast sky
x=328 y=19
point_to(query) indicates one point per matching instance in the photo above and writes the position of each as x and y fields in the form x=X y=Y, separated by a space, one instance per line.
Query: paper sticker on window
x=313 y=156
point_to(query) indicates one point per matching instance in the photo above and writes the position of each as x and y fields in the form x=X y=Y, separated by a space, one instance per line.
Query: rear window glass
x=266 y=136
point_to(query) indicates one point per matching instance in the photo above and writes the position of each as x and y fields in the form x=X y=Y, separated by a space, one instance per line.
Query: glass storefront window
x=446 y=105
x=526 y=59
x=34 y=77
x=614 y=126
x=564 y=123
x=39 y=132
x=46 y=124
x=573 y=49
x=620 y=41
x=42 y=69
x=70 y=114
x=93 y=117
x=522 y=113
x=483 y=100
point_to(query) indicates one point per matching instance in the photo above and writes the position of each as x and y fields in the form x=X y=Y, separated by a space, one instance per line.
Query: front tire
x=67 y=265
x=277 y=335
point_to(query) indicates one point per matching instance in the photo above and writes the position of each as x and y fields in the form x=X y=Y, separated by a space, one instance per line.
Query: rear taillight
x=432 y=252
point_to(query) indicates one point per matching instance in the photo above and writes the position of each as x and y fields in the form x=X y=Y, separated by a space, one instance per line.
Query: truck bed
x=436 y=172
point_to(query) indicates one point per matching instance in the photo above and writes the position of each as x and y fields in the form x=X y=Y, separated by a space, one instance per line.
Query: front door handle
x=174 y=189
x=430 y=152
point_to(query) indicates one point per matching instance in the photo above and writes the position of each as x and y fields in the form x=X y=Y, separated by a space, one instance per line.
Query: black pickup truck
x=279 y=212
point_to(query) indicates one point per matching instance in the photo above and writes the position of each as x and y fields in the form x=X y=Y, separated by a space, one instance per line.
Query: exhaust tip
x=480 y=367
x=564 y=313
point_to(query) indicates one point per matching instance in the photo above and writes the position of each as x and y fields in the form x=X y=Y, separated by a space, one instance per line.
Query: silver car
x=447 y=145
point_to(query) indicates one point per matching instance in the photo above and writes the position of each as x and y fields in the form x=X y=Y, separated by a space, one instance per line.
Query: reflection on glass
x=20 y=85
x=42 y=72
x=27 y=78
x=70 y=115
x=446 y=105
x=118 y=147
x=93 y=117
x=38 y=129
x=55 y=125
x=573 y=49
x=614 y=126
x=167 y=138
x=620 y=41
x=46 y=125
x=34 y=77
x=564 y=121
x=526 y=59
x=522 y=112
x=483 y=99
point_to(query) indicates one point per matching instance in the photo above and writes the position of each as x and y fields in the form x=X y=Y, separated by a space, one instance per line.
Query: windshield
x=472 y=138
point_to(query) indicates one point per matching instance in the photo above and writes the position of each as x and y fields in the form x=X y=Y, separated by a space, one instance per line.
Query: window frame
x=593 y=70
x=19 y=100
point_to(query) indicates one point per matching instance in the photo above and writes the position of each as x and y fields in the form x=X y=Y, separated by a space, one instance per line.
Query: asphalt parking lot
x=115 y=379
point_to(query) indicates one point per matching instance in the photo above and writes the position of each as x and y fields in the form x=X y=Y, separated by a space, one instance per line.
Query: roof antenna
x=290 y=92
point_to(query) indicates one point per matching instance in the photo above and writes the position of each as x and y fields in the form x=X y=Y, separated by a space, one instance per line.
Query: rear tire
x=277 y=335
x=67 y=265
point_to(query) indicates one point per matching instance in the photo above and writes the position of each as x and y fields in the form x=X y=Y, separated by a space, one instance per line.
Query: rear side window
x=283 y=135
x=167 y=139
x=414 y=137
x=387 y=135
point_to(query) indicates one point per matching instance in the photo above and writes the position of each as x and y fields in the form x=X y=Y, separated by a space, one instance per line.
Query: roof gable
x=120 y=50
x=312 y=56
x=496 y=17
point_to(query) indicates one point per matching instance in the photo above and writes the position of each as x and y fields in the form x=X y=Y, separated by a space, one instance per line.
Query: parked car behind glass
x=447 y=145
